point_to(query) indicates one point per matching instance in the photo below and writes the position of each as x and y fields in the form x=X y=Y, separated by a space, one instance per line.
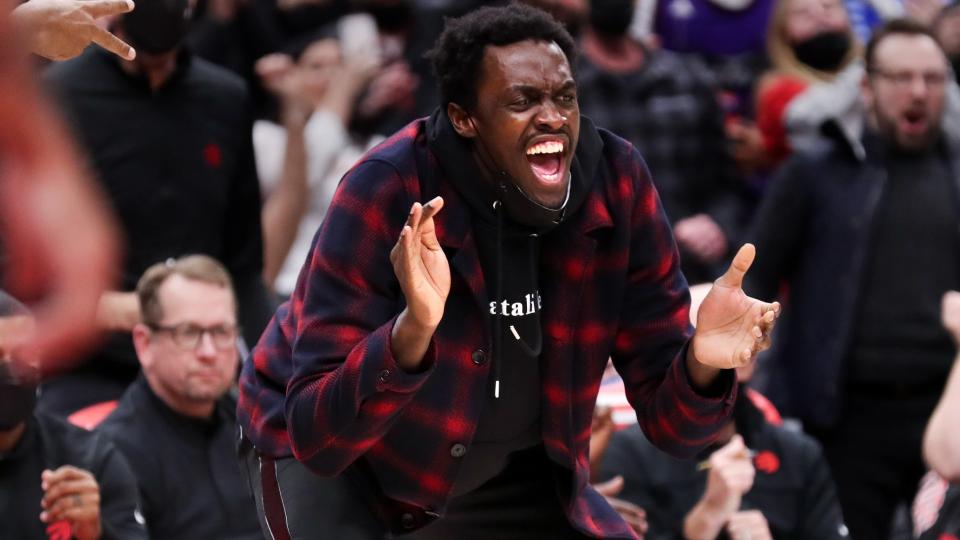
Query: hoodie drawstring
x=497 y=323
x=533 y=352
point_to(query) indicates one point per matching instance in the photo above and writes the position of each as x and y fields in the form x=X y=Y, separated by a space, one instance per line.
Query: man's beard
x=888 y=129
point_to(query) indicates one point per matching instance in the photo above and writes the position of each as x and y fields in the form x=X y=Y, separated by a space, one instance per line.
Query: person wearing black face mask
x=172 y=149
x=56 y=480
x=158 y=26
x=824 y=51
x=666 y=106
x=440 y=359
x=811 y=45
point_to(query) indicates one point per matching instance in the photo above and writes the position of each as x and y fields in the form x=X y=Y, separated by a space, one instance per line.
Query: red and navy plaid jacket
x=324 y=386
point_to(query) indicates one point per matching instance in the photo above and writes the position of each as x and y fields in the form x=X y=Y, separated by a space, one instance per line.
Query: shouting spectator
x=863 y=357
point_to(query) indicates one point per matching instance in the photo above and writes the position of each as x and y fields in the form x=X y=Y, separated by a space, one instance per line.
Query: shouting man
x=443 y=366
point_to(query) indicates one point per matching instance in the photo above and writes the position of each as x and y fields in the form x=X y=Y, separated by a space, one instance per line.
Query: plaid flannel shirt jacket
x=324 y=387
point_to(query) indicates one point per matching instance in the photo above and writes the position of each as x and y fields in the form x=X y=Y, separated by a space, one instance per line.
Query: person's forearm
x=342 y=95
x=941 y=442
x=285 y=207
x=118 y=311
x=409 y=342
x=702 y=376
x=702 y=523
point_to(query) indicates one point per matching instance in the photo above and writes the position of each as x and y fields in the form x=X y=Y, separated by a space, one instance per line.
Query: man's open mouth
x=915 y=120
x=546 y=160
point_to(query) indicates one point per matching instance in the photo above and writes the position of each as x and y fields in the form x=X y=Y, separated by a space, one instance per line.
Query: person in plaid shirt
x=437 y=366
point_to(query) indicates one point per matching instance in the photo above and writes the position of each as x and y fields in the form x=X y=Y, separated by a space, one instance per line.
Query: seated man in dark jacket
x=176 y=422
x=57 y=481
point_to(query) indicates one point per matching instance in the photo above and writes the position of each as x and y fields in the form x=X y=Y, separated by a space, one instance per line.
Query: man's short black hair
x=903 y=27
x=458 y=52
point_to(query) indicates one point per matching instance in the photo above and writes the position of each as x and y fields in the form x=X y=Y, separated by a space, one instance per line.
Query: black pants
x=295 y=504
x=521 y=503
x=875 y=458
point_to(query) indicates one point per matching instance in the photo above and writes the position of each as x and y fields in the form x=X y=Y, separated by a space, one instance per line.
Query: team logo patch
x=213 y=155
x=767 y=462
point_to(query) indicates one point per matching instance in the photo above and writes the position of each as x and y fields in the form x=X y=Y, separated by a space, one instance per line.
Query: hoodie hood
x=456 y=157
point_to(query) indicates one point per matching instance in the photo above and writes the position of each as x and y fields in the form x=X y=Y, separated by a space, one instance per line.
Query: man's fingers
x=407 y=251
x=413 y=218
x=431 y=208
x=103 y=8
x=57 y=510
x=733 y=277
x=950 y=308
x=734 y=447
x=65 y=472
x=113 y=44
x=66 y=488
x=610 y=487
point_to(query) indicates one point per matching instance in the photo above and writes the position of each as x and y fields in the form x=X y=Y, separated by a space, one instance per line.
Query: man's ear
x=141 y=342
x=461 y=120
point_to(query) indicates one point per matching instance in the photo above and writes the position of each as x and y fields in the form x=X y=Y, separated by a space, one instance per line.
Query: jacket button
x=384 y=376
x=458 y=450
x=479 y=357
x=406 y=521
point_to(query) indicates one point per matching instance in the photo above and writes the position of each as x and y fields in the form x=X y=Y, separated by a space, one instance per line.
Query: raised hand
x=701 y=237
x=424 y=274
x=732 y=327
x=62 y=29
x=731 y=475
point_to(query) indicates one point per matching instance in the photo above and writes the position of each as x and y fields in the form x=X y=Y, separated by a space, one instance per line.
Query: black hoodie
x=510 y=259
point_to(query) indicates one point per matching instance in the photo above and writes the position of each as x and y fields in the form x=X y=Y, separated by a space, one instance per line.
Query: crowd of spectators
x=826 y=132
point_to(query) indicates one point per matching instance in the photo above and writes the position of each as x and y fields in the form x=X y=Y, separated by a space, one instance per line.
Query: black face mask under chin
x=518 y=205
x=157 y=26
x=525 y=211
x=825 y=51
x=18 y=395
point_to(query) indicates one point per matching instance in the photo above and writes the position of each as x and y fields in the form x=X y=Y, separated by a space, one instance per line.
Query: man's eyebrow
x=531 y=89
x=524 y=88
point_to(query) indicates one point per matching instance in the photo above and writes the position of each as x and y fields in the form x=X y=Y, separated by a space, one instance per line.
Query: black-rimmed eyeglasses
x=188 y=335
